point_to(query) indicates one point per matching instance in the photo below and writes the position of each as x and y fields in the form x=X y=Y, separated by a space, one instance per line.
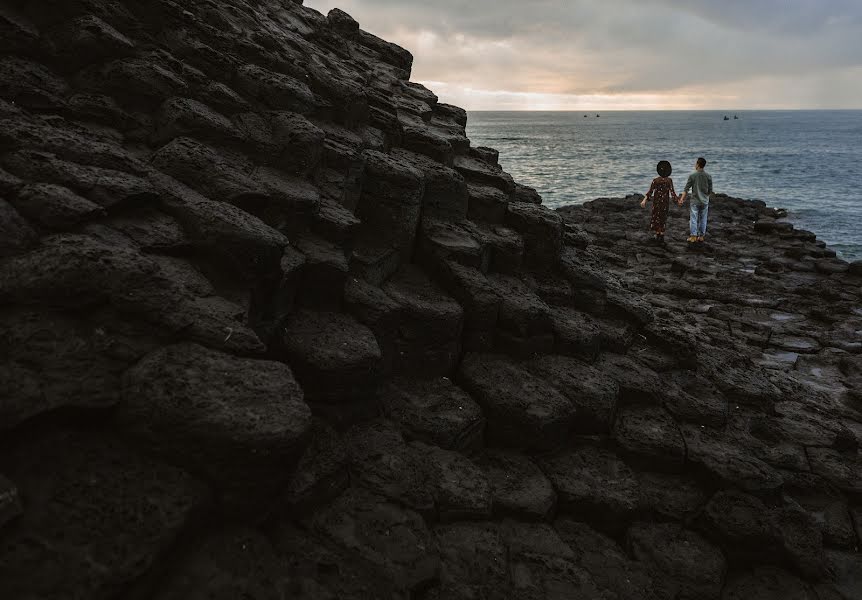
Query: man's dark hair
x=701 y=162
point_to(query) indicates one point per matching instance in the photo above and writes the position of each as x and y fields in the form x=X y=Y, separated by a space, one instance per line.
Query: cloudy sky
x=626 y=54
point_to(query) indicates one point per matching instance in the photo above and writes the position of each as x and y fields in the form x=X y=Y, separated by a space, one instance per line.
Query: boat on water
x=726 y=118
x=735 y=117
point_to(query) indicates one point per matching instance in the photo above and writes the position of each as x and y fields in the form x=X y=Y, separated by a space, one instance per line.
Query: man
x=700 y=185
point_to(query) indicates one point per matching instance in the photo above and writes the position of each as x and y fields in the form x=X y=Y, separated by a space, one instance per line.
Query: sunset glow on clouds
x=626 y=54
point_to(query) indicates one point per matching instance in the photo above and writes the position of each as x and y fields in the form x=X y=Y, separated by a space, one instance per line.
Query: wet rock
x=689 y=565
x=54 y=206
x=434 y=411
x=98 y=516
x=336 y=358
x=518 y=487
x=593 y=394
x=594 y=484
x=236 y=421
x=393 y=539
x=521 y=409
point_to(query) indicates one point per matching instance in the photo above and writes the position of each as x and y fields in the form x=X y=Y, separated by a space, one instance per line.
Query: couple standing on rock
x=699 y=184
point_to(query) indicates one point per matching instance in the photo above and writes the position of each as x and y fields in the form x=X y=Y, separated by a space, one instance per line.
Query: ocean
x=808 y=162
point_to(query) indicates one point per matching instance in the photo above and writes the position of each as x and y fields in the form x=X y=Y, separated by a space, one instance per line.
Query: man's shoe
x=692 y=239
x=700 y=238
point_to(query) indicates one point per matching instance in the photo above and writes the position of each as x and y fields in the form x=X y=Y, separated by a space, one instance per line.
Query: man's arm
x=709 y=181
x=688 y=184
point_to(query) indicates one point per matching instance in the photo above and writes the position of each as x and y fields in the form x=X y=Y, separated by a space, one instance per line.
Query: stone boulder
x=522 y=410
x=235 y=421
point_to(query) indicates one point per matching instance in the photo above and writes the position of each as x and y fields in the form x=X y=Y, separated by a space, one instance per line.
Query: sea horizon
x=802 y=160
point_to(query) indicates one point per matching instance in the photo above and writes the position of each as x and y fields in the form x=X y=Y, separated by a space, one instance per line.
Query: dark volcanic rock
x=97 y=517
x=434 y=411
x=10 y=501
x=521 y=409
x=429 y=331
x=54 y=206
x=651 y=434
x=335 y=357
x=232 y=563
x=190 y=192
x=593 y=483
x=236 y=421
x=391 y=201
x=589 y=389
x=461 y=491
x=688 y=565
x=518 y=486
x=392 y=539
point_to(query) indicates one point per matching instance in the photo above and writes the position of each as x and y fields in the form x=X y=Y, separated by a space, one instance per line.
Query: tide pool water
x=808 y=162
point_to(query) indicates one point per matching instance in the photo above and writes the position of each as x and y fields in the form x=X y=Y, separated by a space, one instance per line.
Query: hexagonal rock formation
x=237 y=422
x=335 y=357
x=213 y=214
x=521 y=409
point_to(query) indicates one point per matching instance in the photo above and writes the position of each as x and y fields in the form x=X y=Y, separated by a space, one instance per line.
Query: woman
x=660 y=192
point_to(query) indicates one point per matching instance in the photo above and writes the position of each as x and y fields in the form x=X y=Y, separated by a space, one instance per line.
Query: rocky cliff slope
x=271 y=328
